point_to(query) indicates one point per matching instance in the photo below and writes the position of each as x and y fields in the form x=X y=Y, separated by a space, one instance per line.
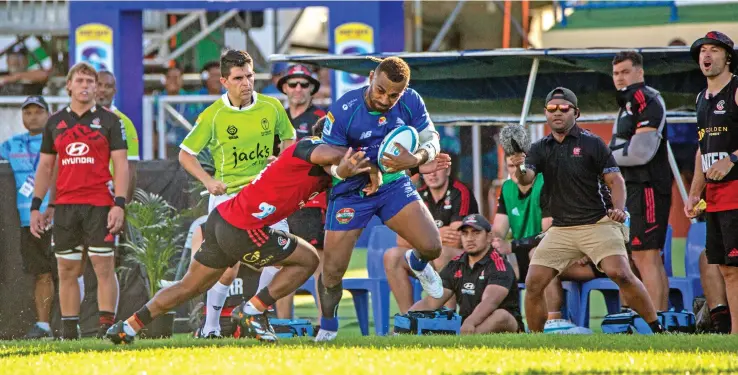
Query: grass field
x=353 y=354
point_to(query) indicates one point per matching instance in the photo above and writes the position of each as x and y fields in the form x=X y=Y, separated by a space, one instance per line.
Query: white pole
x=677 y=176
x=477 y=161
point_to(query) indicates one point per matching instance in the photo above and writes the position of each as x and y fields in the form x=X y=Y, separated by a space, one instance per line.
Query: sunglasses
x=303 y=84
x=551 y=108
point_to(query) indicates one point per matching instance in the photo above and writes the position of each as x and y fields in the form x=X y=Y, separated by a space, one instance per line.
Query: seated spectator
x=448 y=201
x=18 y=80
x=210 y=76
x=483 y=283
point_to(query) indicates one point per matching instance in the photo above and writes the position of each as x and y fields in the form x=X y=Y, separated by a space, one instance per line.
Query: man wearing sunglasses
x=587 y=215
x=639 y=147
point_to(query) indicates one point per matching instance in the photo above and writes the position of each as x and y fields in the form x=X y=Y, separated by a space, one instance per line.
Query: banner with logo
x=94 y=45
x=352 y=38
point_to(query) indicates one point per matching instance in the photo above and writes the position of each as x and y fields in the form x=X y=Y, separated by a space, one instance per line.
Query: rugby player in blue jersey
x=361 y=119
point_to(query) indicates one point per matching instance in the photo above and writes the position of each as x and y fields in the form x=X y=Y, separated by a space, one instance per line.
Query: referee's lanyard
x=27 y=188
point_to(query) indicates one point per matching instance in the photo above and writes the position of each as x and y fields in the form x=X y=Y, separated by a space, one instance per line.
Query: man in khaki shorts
x=587 y=203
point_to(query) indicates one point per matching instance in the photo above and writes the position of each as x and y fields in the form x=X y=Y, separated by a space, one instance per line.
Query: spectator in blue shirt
x=175 y=132
x=22 y=151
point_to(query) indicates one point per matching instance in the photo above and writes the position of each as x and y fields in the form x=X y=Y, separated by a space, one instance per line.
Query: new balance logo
x=636 y=242
x=366 y=134
x=733 y=253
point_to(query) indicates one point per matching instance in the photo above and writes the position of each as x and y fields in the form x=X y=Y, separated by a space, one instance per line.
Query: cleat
x=428 y=277
x=38 y=333
x=102 y=330
x=564 y=327
x=255 y=326
x=208 y=336
x=325 y=336
x=118 y=335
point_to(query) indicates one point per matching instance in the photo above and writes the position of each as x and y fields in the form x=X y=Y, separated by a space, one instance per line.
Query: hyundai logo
x=77 y=149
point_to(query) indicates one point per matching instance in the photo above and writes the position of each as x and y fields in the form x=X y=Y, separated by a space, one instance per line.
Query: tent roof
x=503 y=73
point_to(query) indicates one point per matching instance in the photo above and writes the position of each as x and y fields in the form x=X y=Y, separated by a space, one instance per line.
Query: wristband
x=334 y=172
x=120 y=202
x=36 y=203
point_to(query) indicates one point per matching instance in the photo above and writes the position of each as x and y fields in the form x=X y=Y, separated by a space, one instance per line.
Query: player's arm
x=340 y=162
x=44 y=173
x=644 y=144
x=430 y=141
x=697 y=187
x=119 y=156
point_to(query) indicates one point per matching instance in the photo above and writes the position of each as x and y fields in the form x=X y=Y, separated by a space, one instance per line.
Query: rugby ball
x=405 y=135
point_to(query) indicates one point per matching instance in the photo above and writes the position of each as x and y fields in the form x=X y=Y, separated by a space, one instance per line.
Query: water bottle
x=627 y=218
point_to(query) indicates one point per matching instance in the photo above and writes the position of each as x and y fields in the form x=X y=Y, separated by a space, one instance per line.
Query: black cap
x=477 y=222
x=562 y=93
x=36 y=100
x=719 y=39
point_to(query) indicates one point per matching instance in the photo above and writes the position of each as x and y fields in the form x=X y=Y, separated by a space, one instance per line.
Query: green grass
x=521 y=353
x=353 y=354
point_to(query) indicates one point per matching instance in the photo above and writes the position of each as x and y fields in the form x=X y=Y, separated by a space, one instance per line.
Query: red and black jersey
x=717 y=131
x=457 y=202
x=303 y=123
x=83 y=144
x=282 y=188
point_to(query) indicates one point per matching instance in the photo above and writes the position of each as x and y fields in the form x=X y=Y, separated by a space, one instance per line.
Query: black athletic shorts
x=36 y=253
x=649 y=216
x=79 y=226
x=722 y=237
x=224 y=245
x=308 y=224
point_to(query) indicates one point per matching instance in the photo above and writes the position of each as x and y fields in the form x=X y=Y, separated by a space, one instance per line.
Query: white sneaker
x=325 y=336
x=428 y=277
x=564 y=327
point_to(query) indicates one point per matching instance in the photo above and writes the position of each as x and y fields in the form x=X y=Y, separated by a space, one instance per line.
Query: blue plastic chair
x=570 y=308
x=689 y=286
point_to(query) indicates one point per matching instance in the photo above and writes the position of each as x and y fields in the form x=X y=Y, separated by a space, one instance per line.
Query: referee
x=587 y=216
x=717 y=118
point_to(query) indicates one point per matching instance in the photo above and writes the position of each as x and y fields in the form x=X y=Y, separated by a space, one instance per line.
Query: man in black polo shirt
x=483 y=282
x=714 y=172
x=577 y=165
x=448 y=201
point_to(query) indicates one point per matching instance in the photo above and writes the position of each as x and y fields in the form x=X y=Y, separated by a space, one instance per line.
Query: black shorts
x=36 y=253
x=722 y=237
x=308 y=224
x=80 y=226
x=225 y=245
x=649 y=216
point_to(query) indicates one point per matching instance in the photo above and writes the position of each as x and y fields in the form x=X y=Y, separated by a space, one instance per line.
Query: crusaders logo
x=721 y=105
x=282 y=241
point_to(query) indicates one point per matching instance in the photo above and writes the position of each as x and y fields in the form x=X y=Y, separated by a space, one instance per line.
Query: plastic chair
x=570 y=306
x=691 y=285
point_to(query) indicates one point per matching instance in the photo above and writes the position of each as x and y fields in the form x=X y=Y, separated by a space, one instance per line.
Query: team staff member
x=483 y=283
x=22 y=152
x=639 y=147
x=239 y=130
x=449 y=201
x=717 y=130
x=106 y=89
x=85 y=137
x=300 y=84
x=573 y=163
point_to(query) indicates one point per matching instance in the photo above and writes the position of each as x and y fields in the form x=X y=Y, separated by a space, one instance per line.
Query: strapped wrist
x=334 y=172
x=120 y=202
x=36 y=203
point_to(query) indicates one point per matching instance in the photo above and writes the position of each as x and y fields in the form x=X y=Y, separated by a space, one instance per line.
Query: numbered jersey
x=282 y=188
